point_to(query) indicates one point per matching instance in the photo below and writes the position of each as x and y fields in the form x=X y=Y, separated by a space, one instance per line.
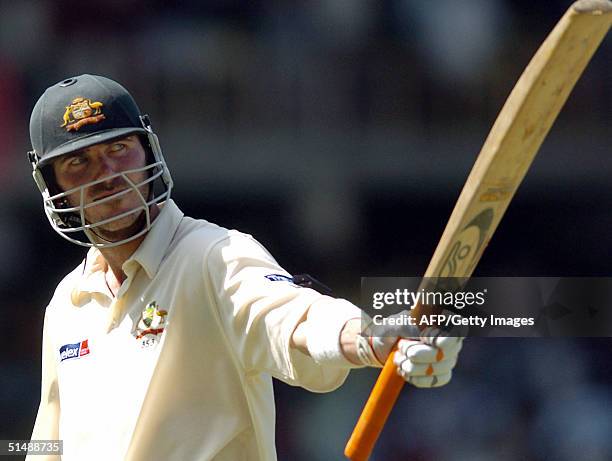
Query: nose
x=106 y=167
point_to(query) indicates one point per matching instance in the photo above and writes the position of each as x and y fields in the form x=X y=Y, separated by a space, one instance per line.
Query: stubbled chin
x=122 y=228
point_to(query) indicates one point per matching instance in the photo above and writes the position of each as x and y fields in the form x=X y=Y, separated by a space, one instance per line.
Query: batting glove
x=428 y=361
x=423 y=358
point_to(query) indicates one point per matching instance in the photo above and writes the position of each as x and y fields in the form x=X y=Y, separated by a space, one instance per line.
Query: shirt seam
x=237 y=363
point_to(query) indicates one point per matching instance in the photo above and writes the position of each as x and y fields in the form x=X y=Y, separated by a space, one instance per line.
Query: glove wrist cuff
x=365 y=351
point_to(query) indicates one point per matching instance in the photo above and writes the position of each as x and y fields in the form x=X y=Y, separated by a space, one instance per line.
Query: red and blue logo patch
x=74 y=351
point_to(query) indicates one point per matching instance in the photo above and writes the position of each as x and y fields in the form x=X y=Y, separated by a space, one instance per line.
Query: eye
x=76 y=160
x=117 y=147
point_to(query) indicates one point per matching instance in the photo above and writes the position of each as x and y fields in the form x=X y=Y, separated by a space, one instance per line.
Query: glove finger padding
x=428 y=361
x=447 y=347
x=408 y=367
x=416 y=351
x=444 y=342
x=419 y=352
x=449 y=343
x=428 y=381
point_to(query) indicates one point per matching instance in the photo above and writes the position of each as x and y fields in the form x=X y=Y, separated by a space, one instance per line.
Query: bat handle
x=375 y=412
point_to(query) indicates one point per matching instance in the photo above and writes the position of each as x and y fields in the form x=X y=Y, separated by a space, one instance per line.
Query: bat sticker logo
x=467 y=246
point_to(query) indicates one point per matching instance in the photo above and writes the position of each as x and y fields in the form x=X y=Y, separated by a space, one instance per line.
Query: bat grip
x=375 y=412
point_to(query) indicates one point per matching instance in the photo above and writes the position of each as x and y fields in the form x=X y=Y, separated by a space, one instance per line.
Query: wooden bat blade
x=516 y=136
x=506 y=155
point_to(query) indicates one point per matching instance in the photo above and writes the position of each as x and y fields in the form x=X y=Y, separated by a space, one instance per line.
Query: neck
x=116 y=256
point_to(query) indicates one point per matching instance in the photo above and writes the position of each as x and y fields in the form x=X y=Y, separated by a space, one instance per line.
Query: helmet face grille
x=69 y=220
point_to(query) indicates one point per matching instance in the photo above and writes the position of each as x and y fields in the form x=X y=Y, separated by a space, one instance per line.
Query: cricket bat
x=506 y=155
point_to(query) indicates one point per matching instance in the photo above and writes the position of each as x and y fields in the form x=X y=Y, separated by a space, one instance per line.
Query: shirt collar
x=153 y=248
x=92 y=277
x=148 y=255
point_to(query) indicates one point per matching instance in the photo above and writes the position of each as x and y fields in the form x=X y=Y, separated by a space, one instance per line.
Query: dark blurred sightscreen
x=339 y=133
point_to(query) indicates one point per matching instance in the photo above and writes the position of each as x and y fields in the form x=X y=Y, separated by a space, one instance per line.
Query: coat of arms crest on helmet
x=82 y=111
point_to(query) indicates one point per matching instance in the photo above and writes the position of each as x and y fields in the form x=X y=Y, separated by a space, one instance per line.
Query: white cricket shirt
x=178 y=366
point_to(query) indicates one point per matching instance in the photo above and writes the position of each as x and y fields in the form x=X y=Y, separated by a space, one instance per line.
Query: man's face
x=96 y=163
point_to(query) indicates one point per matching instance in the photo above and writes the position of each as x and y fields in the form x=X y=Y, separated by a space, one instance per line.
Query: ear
x=48 y=174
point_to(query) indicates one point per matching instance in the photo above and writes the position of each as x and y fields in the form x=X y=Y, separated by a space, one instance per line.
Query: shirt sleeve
x=260 y=309
x=46 y=426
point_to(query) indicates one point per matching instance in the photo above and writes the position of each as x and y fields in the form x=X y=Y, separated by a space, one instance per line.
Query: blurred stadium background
x=339 y=134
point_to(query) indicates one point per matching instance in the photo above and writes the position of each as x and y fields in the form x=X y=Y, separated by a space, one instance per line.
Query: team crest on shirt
x=151 y=325
x=82 y=111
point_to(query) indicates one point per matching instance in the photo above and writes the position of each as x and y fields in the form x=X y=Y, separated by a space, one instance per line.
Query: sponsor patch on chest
x=74 y=350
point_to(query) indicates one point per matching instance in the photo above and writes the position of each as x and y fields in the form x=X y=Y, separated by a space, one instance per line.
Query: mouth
x=109 y=194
